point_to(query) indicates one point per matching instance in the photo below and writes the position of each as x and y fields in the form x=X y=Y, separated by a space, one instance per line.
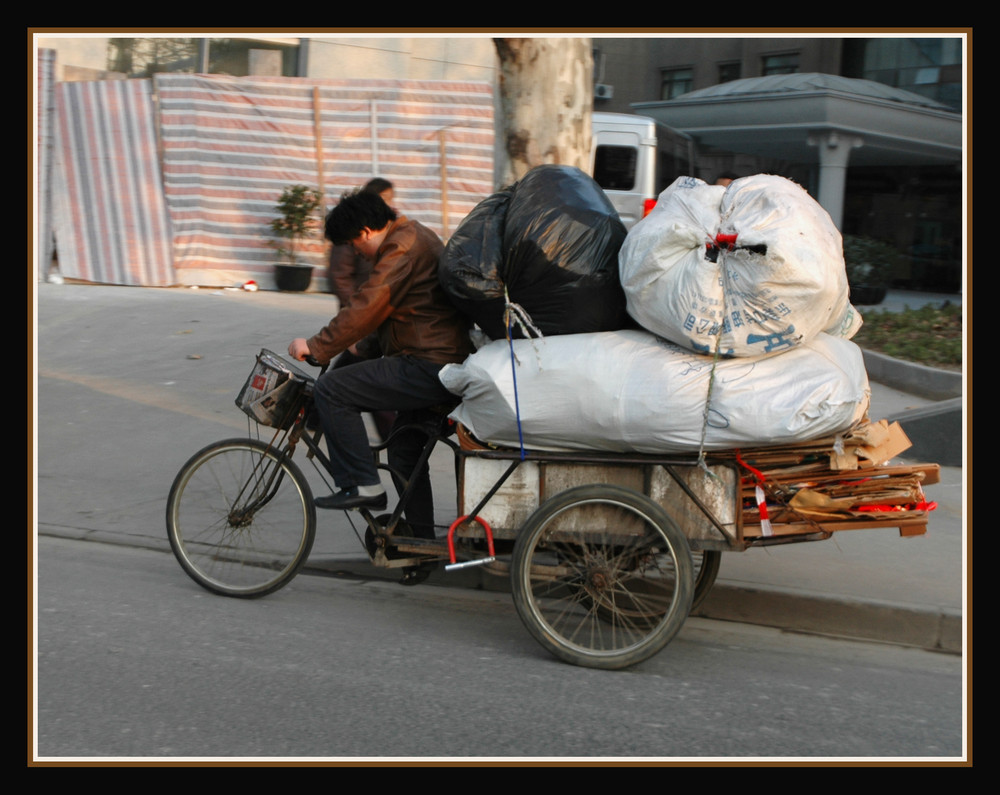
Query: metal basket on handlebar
x=273 y=393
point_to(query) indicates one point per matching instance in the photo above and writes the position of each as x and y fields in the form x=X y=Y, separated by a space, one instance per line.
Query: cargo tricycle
x=606 y=553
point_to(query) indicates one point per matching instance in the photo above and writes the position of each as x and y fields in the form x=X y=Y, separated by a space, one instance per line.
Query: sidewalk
x=131 y=382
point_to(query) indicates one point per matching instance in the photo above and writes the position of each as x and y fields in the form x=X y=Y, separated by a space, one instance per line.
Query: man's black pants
x=398 y=383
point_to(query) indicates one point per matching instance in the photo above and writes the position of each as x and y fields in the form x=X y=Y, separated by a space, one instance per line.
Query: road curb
x=792 y=611
x=934 y=430
x=902 y=625
x=915 y=379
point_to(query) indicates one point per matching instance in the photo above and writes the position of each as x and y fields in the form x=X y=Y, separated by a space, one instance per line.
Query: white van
x=633 y=158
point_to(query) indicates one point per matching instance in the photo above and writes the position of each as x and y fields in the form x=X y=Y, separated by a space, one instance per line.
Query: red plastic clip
x=727 y=242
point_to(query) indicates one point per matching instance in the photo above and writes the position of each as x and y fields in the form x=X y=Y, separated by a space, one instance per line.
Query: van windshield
x=614 y=167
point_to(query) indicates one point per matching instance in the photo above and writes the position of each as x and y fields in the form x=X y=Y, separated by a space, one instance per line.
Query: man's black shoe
x=345 y=499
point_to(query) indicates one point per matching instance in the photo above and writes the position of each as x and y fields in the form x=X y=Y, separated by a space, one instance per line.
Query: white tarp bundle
x=756 y=267
x=630 y=391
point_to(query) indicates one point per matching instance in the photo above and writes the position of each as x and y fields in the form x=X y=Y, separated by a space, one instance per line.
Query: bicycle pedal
x=414 y=575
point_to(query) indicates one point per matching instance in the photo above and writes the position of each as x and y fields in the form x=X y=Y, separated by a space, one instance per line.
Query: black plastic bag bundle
x=552 y=239
x=472 y=262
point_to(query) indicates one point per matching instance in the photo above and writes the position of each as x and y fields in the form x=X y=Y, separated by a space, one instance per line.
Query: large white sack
x=782 y=283
x=630 y=391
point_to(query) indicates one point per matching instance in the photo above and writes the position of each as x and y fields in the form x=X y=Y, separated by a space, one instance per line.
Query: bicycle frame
x=286 y=441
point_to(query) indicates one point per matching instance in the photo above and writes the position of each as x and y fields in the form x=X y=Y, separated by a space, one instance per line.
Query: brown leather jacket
x=346 y=272
x=403 y=302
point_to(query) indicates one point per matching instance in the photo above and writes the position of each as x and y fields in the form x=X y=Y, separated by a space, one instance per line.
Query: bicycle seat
x=434 y=419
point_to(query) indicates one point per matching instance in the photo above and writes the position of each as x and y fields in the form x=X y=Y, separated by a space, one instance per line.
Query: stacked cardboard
x=836 y=484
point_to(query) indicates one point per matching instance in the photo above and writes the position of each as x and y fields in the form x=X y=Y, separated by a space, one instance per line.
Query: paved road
x=135 y=660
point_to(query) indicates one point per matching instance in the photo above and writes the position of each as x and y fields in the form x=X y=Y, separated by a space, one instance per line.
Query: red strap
x=917 y=506
x=756 y=472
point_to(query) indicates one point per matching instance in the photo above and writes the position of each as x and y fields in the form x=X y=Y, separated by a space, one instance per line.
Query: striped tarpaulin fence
x=232 y=144
x=44 y=118
x=108 y=209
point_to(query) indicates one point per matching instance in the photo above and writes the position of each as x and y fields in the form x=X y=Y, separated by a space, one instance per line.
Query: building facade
x=884 y=186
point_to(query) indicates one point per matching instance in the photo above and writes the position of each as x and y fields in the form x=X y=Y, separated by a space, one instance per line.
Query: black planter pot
x=867 y=295
x=293 y=278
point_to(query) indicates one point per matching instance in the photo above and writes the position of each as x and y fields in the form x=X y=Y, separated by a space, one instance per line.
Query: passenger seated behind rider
x=419 y=331
x=348 y=270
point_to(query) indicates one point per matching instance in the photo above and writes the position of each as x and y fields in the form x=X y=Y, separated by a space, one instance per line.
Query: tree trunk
x=546 y=98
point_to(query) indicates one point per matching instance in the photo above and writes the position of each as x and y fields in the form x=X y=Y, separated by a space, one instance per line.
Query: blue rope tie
x=513 y=372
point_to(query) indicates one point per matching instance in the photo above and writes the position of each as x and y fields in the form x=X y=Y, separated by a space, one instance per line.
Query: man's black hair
x=355 y=212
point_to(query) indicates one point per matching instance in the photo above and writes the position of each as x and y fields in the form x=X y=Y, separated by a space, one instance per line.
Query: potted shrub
x=870 y=264
x=295 y=223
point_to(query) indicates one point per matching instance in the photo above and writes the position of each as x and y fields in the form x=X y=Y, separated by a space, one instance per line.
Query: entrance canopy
x=817 y=118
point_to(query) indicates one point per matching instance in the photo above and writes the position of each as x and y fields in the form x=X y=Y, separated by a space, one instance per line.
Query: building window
x=242 y=57
x=730 y=71
x=237 y=57
x=675 y=82
x=785 y=64
x=930 y=67
x=146 y=57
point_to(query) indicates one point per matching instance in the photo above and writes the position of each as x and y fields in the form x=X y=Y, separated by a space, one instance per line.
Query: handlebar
x=310 y=359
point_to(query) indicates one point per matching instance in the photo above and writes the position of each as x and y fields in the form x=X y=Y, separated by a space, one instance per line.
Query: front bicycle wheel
x=241 y=518
x=601 y=577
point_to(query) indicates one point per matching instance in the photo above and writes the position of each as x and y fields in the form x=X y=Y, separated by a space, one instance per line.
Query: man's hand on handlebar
x=298 y=349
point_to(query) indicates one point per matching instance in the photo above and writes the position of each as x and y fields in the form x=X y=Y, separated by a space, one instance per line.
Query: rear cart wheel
x=241 y=518
x=601 y=577
x=705 y=567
